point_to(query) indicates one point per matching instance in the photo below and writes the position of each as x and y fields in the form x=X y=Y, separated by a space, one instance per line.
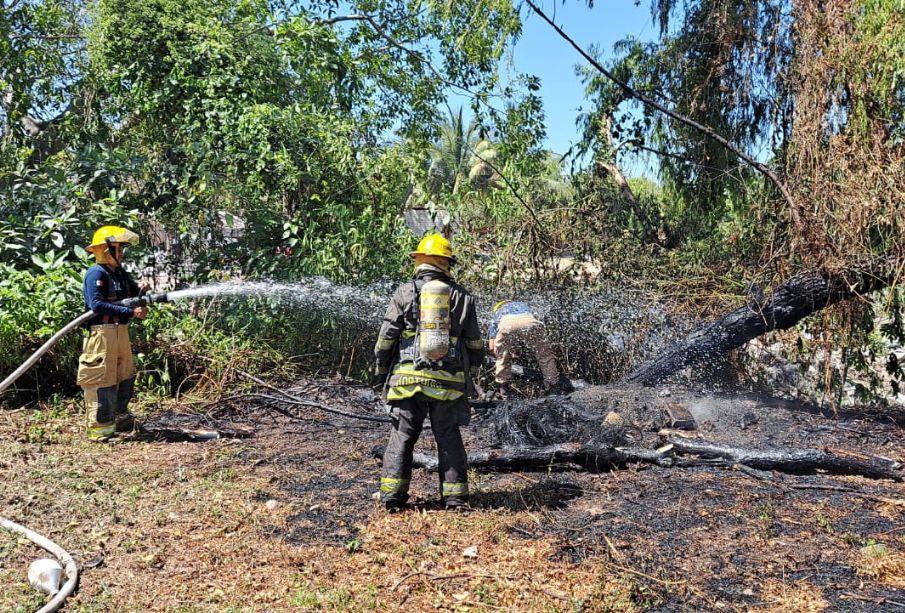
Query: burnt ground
x=279 y=515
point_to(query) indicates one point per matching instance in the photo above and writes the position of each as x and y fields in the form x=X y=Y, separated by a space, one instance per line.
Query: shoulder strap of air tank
x=417 y=284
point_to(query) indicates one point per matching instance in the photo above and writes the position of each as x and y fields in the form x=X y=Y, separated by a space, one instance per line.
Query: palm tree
x=553 y=185
x=460 y=156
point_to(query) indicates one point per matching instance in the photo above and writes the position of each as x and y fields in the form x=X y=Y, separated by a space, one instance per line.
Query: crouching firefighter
x=515 y=329
x=106 y=368
x=428 y=340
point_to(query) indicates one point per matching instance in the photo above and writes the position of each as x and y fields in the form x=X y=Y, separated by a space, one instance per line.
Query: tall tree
x=278 y=112
x=792 y=82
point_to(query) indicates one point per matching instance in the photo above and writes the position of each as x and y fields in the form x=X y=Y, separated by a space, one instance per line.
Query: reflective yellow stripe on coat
x=408 y=374
x=401 y=392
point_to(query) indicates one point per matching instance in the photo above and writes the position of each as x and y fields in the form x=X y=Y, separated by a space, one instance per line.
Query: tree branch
x=341 y=18
x=379 y=29
x=46 y=140
x=709 y=132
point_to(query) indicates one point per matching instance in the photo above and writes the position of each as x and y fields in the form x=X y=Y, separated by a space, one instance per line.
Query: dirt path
x=285 y=521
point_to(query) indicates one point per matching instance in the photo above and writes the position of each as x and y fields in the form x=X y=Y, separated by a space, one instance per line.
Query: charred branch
x=293 y=399
x=796 y=461
x=591 y=457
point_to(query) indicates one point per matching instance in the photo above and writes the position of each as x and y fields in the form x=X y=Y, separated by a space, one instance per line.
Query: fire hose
x=72 y=571
x=141 y=300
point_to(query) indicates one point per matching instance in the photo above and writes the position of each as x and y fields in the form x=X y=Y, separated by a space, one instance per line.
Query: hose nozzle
x=144 y=300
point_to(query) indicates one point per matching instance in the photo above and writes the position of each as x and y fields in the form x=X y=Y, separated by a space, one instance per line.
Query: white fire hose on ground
x=72 y=571
x=45 y=348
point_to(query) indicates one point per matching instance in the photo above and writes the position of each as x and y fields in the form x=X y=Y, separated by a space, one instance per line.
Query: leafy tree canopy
x=276 y=112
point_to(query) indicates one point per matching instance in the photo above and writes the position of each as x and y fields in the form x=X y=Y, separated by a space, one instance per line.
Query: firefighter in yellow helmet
x=106 y=368
x=515 y=331
x=427 y=343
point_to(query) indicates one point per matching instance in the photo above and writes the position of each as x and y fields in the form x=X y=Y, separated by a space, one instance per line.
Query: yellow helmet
x=499 y=305
x=434 y=244
x=112 y=234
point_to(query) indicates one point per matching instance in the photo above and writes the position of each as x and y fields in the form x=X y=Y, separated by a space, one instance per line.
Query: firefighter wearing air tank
x=428 y=341
x=106 y=369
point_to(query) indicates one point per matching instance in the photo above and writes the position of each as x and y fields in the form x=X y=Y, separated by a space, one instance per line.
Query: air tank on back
x=433 y=320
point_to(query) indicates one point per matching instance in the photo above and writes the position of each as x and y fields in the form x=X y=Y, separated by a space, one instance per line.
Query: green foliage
x=454 y=157
x=275 y=116
x=880 y=26
x=46 y=425
x=32 y=307
x=54 y=209
x=239 y=136
x=42 y=261
x=350 y=242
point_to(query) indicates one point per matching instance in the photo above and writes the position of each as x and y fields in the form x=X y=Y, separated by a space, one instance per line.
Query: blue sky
x=541 y=51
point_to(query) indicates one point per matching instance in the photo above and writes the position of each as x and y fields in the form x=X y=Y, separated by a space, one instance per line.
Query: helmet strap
x=111 y=249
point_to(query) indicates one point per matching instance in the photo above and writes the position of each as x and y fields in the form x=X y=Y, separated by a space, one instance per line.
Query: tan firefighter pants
x=107 y=374
x=516 y=335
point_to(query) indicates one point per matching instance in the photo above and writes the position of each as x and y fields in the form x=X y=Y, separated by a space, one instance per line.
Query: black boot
x=456 y=504
x=394 y=506
x=125 y=422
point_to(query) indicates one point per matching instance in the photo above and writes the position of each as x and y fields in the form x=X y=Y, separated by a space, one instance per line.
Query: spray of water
x=365 y=303
x=598 y=335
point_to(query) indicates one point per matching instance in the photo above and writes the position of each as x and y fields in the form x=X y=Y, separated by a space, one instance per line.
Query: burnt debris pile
x=606 y=427
x=551 y=421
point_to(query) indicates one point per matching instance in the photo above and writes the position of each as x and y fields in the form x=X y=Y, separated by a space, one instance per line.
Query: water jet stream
x=315 y=291
x=597 y=330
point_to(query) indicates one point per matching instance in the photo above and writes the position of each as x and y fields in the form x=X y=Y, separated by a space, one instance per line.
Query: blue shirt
x=510 y=308
x=102 y=287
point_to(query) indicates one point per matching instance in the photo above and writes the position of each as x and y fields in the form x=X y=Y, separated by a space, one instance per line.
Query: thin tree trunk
x=795 y=460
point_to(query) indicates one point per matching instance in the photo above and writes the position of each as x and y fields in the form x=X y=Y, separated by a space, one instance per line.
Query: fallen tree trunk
x=791 y=302
x=794 y=461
